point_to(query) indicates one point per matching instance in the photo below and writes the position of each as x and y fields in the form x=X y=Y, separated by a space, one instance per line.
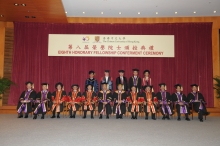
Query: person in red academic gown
x=73 y=105
x=25 y=100
x=146 y=79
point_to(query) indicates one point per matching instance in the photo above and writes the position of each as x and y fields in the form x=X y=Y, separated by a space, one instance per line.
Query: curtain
x=192 y=62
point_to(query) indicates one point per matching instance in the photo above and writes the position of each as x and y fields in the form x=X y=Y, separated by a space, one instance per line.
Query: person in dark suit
x=135 y=80
x=198 y=101
x=41 y=101
x=25 y=100
x=122 y=80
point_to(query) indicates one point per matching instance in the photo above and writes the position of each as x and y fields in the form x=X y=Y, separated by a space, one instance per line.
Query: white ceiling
x=147 y=8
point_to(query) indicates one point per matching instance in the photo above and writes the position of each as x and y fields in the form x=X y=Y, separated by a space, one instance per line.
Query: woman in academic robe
x=165 y=102
x=104 y=99
x=119 y=98
x=133 y=104
x=89 y=103
x=73 y=104
x=181 y=102
x=25 y=100
x=41 y=101
x=146 y=80
x=150 y=102
x=198 y=101
x=57 y=102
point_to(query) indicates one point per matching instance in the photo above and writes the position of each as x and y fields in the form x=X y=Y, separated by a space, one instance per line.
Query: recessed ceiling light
x=2 y=15
x=194 y=12
x=119 y=13
x=156 y=12
x=83 y=12
x=66 y=12
x=23 y=4
x=16 y=4
x=175 y=12
x=214 y=12
x=102 y=13
x=139 y=13
x=26 y=16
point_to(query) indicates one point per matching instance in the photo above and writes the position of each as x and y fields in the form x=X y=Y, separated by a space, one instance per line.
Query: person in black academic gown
x=89 y=104
x=165 y=101
x=122 y=80
x=73 y=106
x=119 y=98
x=104 y=99
x=57 y=102
x=149 y=104
x=92 y=81
x=41 y=101
x=25 y=100
x=133 y=105
x=181 y=102
x=108 y=80
x=135 y=80
x=198 y=101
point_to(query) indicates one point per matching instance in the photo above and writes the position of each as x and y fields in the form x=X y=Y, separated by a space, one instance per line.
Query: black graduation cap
x=28 y=82
x=75 y=85
x=121 y=71
x=177 y=85
x=147 y=86
x=194 y=85
x=89 y=85
x=135 y=69
x=146 y=71
x=44 y=84
x=91 y=72
x=104 y=83
x=59 y=83
x=162 y=84
x=107 y=71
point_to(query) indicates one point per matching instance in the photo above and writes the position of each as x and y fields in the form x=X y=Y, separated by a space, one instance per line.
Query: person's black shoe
x=52 y=117
x=58 y=117
x=74 y=116
x=100 y=117
x=21 y=116
x=132 y=117
x=168 y=118
x=35 y=117
x=26 y=116
x=71 y=116
x=84 y=117
x=178 y=119
x=107 y=117
x=135 y=118
x=153 y=118
x=201 y=120
x=92 y=117
x=187 y=119
x=163 y=118
x=42 y=117
x=146 y=118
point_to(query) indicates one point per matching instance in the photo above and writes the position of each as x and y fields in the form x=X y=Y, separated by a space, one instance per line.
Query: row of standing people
x=119 y=98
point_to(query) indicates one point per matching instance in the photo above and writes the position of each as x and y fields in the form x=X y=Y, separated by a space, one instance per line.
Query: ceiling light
x=139 y=13
x=156 y=12
x=83 y=12
x=214 y=12
x=26 y=16
x=23 y=4
x=102 y=13
x=119 y=13
x=66 y=12
x=194 y=12
x=16 y=4
x=175 y=12
x=1 y=15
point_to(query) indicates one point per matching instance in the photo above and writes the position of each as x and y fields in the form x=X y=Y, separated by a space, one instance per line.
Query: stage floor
x=108 y=132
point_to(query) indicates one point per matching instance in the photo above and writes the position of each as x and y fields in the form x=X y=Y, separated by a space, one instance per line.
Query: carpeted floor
x=112 y=132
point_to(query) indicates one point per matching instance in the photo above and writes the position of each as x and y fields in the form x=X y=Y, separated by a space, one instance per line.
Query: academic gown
x=130 y=104
x=108 y=81
x=175 y=98
x=116 y=98
x=125 y=83
x=32 y=96
x=92 y=82
x=108 y=99
x=40 y=98
x=54 y=95
x=138 y=83
x=85 y=95
x=168 y=99
x=144 y=94
x=73 y=97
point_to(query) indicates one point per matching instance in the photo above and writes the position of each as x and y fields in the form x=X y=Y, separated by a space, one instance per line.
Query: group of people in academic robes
x=137 y=95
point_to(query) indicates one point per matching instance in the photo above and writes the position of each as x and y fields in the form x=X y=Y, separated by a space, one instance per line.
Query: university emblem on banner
x=97 y=38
